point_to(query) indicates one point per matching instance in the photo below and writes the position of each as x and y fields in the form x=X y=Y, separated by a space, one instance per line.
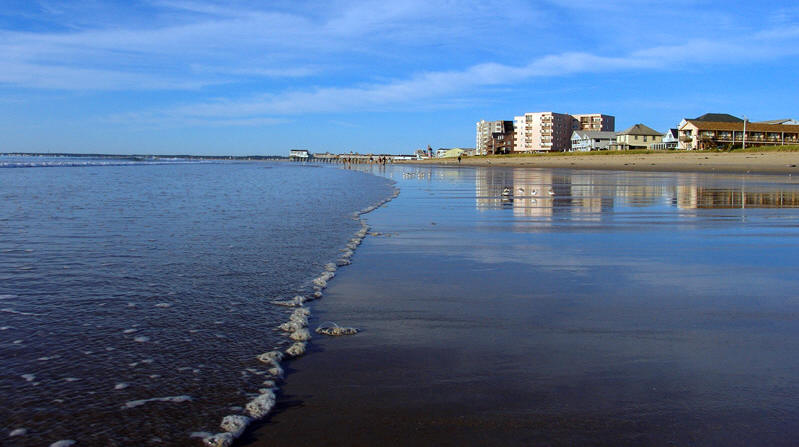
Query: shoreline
x=722 y=162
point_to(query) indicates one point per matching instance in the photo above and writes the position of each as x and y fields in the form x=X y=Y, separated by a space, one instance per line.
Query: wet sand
x=677 y=161
x=481 y=326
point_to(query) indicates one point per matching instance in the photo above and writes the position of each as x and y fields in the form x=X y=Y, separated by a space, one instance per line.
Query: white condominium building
x=542 y=132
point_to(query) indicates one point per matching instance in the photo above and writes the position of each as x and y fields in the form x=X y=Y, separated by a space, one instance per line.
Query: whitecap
x=141 y=339
x=29 y=377
x=294 y=302
x=330 y=267
x=63 y=443
x=12 y=311
x=18 y=432
x=7 y=297
x=163 y=305
x=71 y=379
x=130 y=331
x=121 y=386
x=140 y=402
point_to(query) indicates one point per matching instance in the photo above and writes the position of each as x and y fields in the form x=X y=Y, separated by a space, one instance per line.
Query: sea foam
x=261 y=405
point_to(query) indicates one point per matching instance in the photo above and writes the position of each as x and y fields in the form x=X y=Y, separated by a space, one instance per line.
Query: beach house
x=670 y=140
x=719 y=130
x=638 y=136
x=591 y=140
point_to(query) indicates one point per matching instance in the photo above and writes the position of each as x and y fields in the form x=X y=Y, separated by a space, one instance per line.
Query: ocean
x=136 y=295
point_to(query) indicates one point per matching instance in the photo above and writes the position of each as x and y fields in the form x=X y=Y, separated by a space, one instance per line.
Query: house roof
x=779 y=121
x=750 y=127
x=718 y=118
x=594 y=134
x=640 y=129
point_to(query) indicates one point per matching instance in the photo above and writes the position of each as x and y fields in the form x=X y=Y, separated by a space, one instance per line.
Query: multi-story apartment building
x=543 y=132
x=552 y=132
x=594 y=122
x=494 y=137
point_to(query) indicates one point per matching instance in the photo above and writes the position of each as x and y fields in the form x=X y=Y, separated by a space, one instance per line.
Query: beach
x=626 y=309
x=674 y=161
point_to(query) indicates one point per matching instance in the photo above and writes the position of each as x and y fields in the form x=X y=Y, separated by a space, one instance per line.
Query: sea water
x=135 y=295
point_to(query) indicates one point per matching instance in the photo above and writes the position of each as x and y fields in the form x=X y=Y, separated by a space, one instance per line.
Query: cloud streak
x=433 y=85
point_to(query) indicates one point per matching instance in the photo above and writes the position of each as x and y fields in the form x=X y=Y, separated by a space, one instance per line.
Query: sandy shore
x=563 y=322
x=752 y=162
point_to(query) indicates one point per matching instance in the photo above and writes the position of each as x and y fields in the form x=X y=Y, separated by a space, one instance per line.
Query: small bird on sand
x=535 y=192
x=551 y=192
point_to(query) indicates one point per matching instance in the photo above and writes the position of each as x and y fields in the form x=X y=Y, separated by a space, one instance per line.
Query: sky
x=260 y=78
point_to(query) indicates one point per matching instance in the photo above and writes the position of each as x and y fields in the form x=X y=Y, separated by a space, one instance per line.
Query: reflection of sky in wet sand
x=650 y=307
x=709 y=238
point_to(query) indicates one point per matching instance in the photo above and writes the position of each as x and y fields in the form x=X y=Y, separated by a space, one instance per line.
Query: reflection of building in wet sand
x=693 y=197
x=531 y=197
x=588 y=197
x=643 y=195
x=488 y=187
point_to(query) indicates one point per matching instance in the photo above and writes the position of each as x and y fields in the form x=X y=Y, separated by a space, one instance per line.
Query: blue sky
x=208 y=77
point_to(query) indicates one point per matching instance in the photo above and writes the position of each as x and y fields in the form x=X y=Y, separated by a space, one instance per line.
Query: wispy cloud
x=444 y=84
x=214 y=63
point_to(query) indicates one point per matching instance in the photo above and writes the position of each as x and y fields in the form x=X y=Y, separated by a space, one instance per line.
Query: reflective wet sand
x=621 y=309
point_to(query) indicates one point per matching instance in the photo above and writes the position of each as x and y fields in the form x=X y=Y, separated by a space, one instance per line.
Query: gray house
x=592 y=140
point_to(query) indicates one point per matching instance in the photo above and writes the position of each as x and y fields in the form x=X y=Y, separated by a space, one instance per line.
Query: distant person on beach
x=459 y=159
